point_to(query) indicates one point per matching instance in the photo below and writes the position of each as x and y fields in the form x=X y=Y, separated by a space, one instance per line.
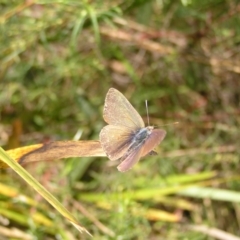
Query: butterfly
x=126 y=138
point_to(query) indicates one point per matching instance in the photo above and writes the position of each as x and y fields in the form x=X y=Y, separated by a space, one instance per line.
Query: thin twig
x=213 y=232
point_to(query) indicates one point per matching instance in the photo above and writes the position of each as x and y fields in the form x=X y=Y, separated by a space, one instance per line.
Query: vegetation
x=59 y=58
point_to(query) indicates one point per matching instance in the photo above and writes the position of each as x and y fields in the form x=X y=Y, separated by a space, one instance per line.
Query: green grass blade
x=40 y=189
x=211 y=193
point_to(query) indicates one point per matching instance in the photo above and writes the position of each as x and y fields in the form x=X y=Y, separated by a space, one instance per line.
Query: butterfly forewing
x=156 y=136
x=119 y=111
x=115 y=140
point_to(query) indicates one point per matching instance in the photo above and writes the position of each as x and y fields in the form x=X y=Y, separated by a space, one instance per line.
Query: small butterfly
x=126 y=138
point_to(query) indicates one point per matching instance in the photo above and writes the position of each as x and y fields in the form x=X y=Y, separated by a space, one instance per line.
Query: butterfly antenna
x=169 y=124
x=147 y=112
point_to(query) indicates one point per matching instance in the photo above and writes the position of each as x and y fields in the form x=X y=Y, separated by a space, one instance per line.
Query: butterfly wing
x=155 y=138
x=115 y=140
x=119 y=111
x=130 y=160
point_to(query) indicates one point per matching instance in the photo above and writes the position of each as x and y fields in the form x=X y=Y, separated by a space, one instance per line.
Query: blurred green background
x=57 y=61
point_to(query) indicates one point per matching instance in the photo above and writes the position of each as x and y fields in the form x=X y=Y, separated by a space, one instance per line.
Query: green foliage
x=59 y=58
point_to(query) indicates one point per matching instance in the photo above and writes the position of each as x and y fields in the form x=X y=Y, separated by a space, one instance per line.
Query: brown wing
x=115 y=141
x=156 y=136
x=130 y=160
x=119 y=111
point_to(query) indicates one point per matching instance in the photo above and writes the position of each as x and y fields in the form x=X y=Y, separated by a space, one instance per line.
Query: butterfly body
x=139 y=137
x=142 y=134
x=126 y=137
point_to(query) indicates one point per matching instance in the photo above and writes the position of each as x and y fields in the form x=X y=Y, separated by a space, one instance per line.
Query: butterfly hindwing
x=131 y=159
x=115 y=141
